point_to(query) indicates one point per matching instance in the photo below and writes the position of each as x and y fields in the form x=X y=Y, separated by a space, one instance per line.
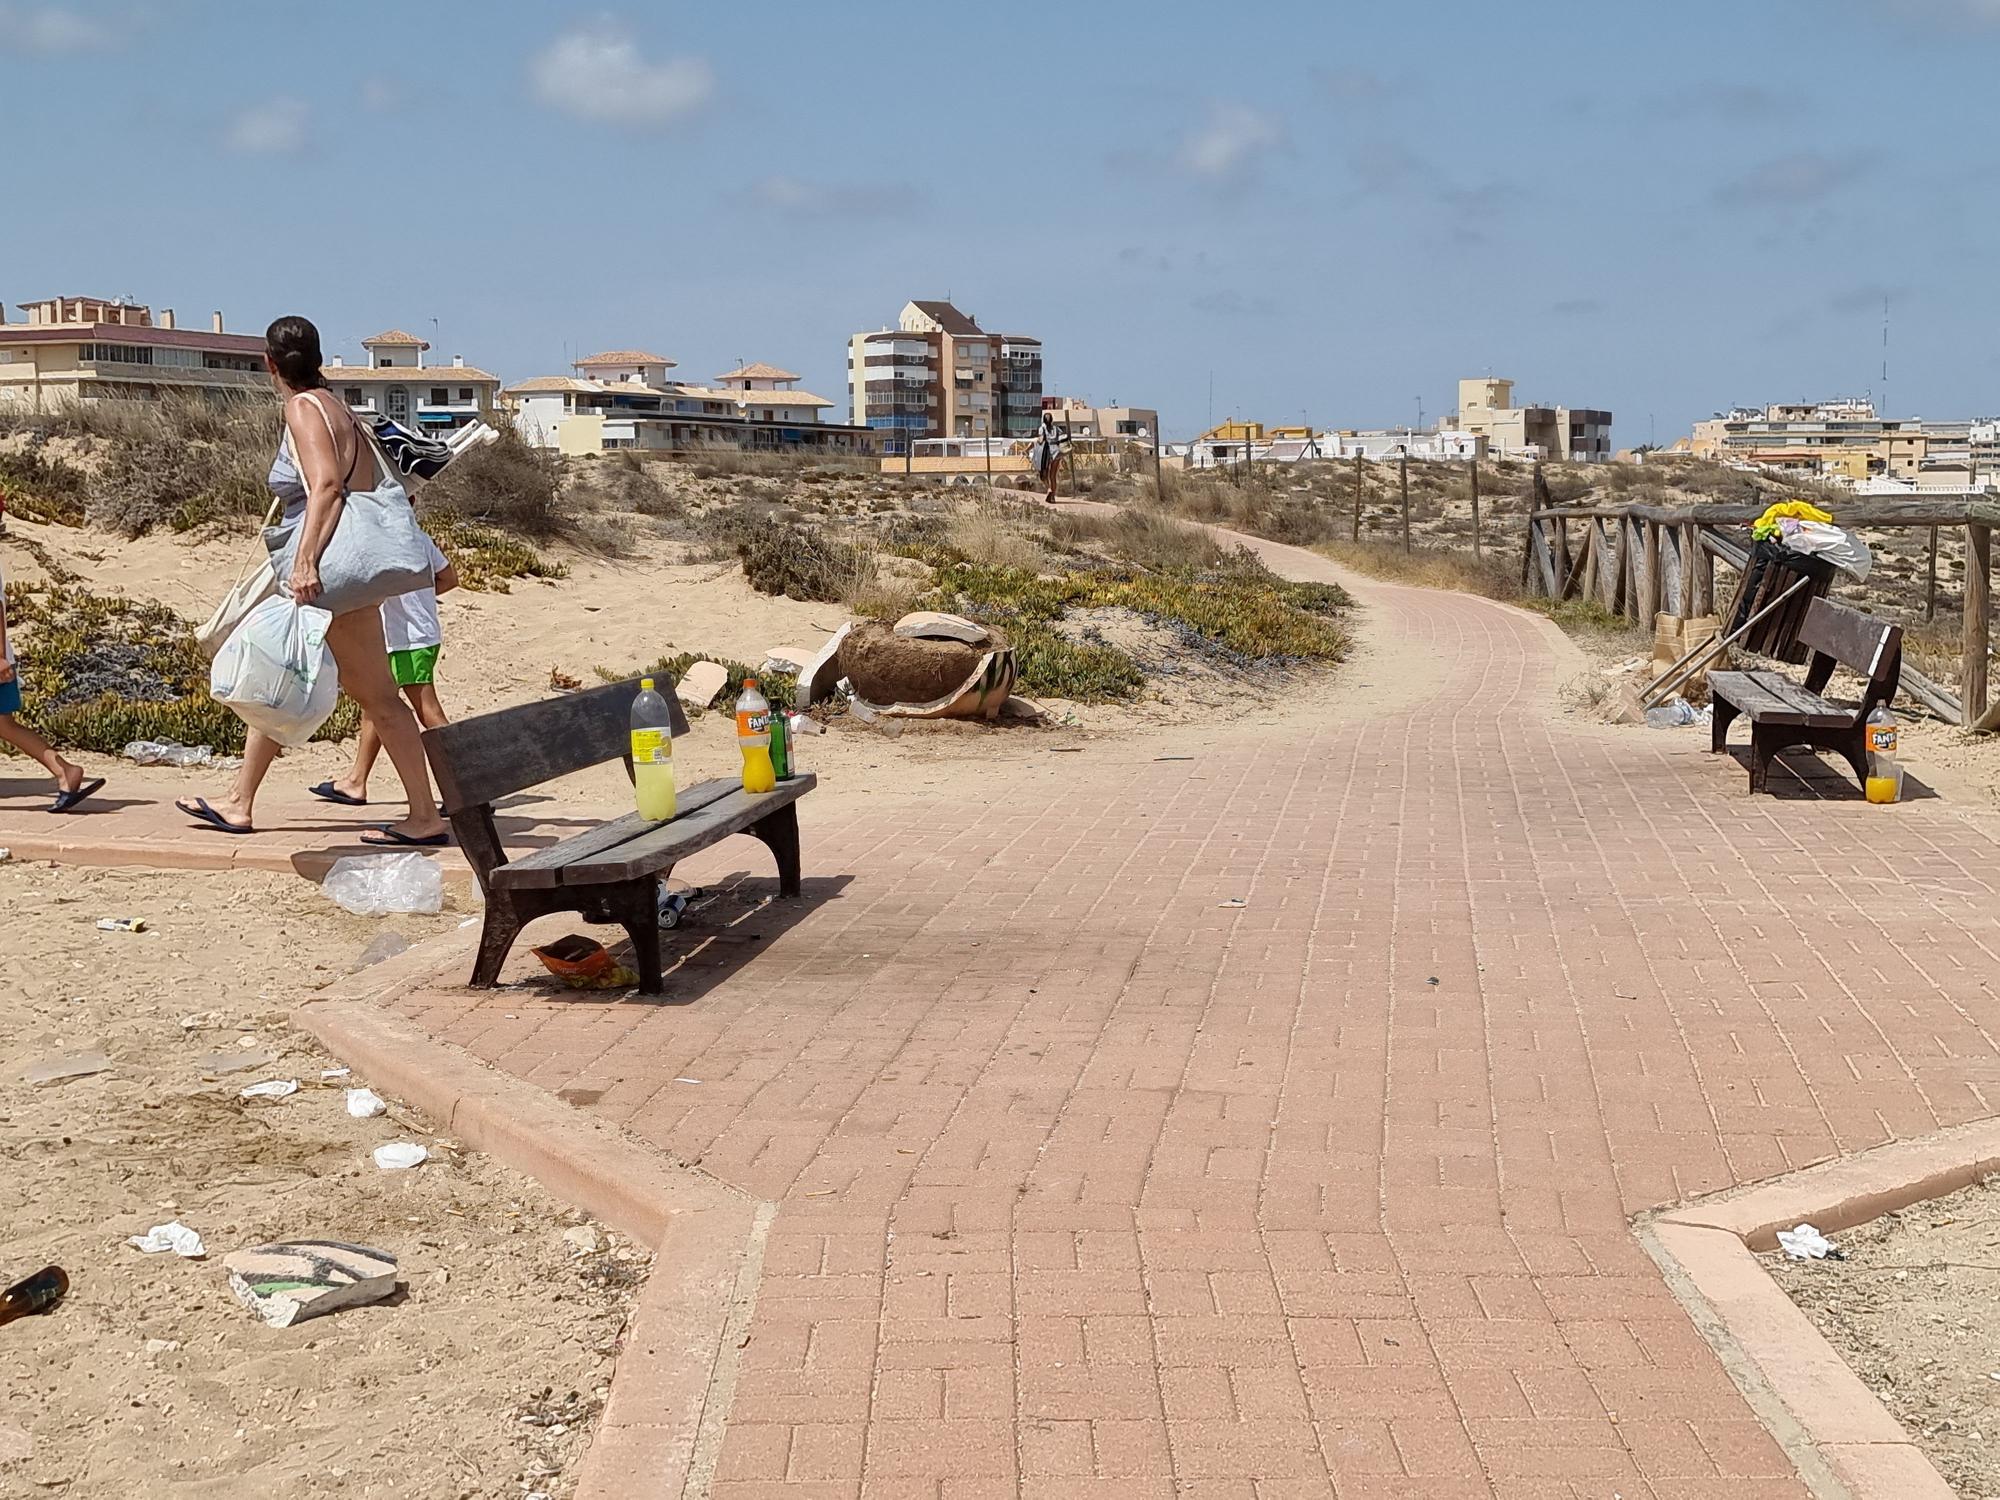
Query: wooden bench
x=610 y=873
x=1782 y=713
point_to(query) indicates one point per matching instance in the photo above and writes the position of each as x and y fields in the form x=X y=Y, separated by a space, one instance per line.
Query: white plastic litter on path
x=365 y=1104
x=1807 y=1243
x=175 y=1236
x=399 y=1156
x=271 y=1088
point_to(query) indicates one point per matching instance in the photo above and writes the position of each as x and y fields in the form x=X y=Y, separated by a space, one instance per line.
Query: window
x=440 y=396
x=352 y=395
x=399 y=403
x=465 y=393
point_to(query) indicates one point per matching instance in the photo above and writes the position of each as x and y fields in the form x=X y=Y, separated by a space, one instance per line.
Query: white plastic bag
x=276 y=673
x=376 y=885
x=1843 y=549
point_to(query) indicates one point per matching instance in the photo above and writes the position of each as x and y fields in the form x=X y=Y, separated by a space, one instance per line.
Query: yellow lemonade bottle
x=652 y=754
x=753 y=737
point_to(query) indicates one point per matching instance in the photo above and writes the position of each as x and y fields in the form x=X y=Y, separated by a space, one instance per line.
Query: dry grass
x=1491 y=577
x=983 y=534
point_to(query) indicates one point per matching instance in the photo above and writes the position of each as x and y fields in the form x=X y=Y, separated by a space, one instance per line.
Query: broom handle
x=1713 y=646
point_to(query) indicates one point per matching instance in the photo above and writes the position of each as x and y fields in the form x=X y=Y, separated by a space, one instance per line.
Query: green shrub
x=802 y=563
x=485 y=558
x=43 y=490
x=187 y=464
x=778 y=687
x=100 y=670
x=505 y=484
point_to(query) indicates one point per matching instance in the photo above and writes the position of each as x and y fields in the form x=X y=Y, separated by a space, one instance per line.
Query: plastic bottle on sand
x=753 y=737
x=652 y=754
x=1885 y=776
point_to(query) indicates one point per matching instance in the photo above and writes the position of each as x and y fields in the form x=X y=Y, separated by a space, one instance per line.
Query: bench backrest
x=1870 y=647
x=479 y=760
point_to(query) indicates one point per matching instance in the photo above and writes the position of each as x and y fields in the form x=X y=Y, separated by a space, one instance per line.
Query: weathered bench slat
x=544 y=867
x=689 y=833
x=1774 y=698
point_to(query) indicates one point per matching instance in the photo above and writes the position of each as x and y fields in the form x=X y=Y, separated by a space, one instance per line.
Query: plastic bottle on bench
x=753 y=738
x=652 y=754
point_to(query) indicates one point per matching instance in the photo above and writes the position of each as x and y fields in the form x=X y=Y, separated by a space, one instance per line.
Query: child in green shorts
x=412 y=632
x=73 y=788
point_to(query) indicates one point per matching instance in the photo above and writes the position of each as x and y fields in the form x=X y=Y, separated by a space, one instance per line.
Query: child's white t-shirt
x=410 y=621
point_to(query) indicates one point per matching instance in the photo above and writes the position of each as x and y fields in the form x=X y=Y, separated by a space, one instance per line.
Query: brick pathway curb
x=677 y=1371
x=1771 y=1349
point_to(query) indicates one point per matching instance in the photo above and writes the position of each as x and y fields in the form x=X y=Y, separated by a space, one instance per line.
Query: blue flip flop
x=201 y=812
x=326 y=791
x=71 y=801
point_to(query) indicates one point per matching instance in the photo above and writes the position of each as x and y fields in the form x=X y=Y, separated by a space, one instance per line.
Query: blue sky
x=1319 y=208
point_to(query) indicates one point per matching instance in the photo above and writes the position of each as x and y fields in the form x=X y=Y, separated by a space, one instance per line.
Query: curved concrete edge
x=661 y=1428
x=1847 y=1444
x=1853 y=1190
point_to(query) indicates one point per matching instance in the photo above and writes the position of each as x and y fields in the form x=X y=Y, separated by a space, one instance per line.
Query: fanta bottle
x=1885 y=776
x=753 y=738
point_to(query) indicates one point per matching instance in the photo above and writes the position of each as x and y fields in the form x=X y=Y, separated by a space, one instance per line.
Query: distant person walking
x=73 y=788
x=325 y=458
x=1048 y=451
x=413 y=636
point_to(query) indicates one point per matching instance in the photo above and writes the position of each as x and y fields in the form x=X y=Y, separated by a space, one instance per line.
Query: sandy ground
x=149 y=1379
x=1911 y=1309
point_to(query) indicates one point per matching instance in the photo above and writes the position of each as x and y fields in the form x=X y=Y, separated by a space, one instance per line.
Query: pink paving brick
x=1090 y=1186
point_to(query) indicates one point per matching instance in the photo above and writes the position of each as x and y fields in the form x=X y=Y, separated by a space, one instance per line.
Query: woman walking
x=325 y=457
x=1048 y=447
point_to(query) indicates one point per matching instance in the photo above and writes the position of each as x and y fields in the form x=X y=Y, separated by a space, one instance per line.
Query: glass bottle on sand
x=652 y=754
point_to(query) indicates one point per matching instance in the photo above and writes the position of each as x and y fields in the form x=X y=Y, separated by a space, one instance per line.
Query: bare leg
x=68 y=775
x=424 y=700
x=356 y=641
x=367 y=746
x=237 y=807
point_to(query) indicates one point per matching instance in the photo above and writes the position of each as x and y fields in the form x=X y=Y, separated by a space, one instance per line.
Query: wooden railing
x=1641 y=560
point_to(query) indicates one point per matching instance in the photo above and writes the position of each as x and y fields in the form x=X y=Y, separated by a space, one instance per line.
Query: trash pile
x=1800 y=526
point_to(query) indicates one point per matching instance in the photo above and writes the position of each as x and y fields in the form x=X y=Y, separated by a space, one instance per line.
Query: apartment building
x=1844 y=438
x=624 y=399
x=939 y=374
x=1137 y=424
x=72 y=350
x=397 y=383
x=1486 y=410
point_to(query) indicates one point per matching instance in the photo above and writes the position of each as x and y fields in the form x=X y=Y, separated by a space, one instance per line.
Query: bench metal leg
x=496 y=939
x=780 y=833
x=636 y=908
x=1722 y=714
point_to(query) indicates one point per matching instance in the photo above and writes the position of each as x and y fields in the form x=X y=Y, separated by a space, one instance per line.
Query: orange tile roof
x=398 y=337
x=408 y=374
x=623 y=357
x=552 y=383
x=754 y=398
x=758 y=371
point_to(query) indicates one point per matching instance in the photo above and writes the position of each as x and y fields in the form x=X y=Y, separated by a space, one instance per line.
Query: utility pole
x=1356 y=536
x=1472 y=475
x=1403 y=481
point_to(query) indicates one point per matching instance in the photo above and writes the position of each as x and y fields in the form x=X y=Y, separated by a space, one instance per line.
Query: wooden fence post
x=1357 y=498
x=1930 y=580
x=1978 y=590
x=1649 y=570
x=1403 y=481
x=1472 y=475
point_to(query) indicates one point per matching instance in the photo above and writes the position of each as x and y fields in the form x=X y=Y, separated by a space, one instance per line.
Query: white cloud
x=598 y=73
x=796 y=198
x=276 y=127
x=1227 y=141
x=49 y=30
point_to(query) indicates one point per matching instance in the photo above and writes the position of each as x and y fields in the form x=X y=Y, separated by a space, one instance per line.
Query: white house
x=398 y=384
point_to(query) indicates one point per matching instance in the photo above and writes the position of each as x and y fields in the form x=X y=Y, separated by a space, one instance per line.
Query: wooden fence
x=1641 y=560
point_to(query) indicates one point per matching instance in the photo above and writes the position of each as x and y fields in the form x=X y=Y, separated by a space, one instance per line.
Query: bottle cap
x=749 y=682
x=645 y=684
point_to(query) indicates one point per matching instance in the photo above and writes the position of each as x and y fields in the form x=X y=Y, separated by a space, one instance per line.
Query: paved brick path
x=1091 y=1185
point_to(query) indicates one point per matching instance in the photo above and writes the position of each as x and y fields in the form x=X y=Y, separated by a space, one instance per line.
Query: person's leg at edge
x=238 y=807
x=367 y=746
x=424 y=703
x=68 y=775
x=356 y=641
